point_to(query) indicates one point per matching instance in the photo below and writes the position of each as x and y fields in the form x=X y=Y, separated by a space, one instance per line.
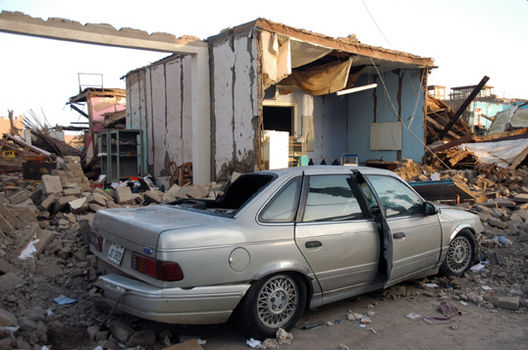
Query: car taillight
x=96 y=241
x=161 y=270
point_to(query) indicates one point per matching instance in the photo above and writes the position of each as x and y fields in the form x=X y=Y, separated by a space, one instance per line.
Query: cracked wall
x=159 y=104
x=234 y=102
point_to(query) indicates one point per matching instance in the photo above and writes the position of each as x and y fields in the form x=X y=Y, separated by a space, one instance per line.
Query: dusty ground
x=480 y=329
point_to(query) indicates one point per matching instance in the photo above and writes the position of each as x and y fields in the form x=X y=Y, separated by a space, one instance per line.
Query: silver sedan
x=276 y=243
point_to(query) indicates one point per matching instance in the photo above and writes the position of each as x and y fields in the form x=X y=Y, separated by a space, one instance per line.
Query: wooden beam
x=463 y=106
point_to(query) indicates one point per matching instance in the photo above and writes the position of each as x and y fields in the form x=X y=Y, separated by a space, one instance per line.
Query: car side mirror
x=375 y=210
x=430 y=209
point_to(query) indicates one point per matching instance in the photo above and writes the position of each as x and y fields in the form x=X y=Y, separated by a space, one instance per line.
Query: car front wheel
x=271 y=303
x=460 y=254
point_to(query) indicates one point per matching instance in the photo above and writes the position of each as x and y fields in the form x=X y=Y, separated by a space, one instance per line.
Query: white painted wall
x=235 y=102
x=159 y=103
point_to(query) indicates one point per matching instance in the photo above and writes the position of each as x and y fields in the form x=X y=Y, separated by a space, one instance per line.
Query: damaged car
x=275 y=243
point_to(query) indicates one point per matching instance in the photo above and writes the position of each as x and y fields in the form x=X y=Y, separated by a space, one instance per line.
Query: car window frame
x=367 y=215
x=380 y=202
x=277 y=193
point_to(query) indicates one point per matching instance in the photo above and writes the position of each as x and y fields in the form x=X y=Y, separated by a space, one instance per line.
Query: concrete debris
x=51 y=184
x=508 y=303
x=283 y=337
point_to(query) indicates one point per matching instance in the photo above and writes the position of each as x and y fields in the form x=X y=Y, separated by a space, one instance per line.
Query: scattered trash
x=413 y=315
x=372 y=330
x=477 y=268
x=362 y=326
x=453 y=327
x=365 y=320
x=504 y=240
x=486 y=288
x=343 y=347
x=329 y=323
x=283 y=337
x=98 y=347
x=29 y=250
x=463 y=303
x=201 y=341
x=430 y=285
x=64 y=300
x=310 y=325
x=353 y=316
x=253 y=343
x=49 y=312
x=370 y=306
x=449 y=311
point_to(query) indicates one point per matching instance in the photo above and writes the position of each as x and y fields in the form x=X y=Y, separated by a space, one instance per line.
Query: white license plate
x=115 y=253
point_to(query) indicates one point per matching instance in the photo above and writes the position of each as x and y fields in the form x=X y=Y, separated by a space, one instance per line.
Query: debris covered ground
x=50 y=298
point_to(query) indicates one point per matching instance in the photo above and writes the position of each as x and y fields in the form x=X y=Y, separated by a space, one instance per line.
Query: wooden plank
x=464 y=105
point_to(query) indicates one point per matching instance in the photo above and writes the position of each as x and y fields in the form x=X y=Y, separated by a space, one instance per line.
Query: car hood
x=144 y=225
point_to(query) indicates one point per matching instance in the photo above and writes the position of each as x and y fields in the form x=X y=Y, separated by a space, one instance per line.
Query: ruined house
x=331 y=96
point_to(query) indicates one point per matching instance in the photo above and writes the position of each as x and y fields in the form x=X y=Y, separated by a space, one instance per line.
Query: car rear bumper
x=198 y=305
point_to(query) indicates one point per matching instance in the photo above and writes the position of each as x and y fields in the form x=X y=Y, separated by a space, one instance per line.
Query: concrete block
x=74 y=191
x=26 y=214
x=9 y=216
x=48 y=201
x=63 y=201
x=103 y=193
x=171 y=193
x=51 y=184
x=153 y=196
x=521 y=198
x=19 y=197
x=78 y=205
x=124 y=195
x=97 y=198
x=507 y=303
x=95 y=207
x=497 y=223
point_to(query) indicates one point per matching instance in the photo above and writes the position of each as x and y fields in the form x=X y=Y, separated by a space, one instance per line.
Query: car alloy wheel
x=277 y=301
x=459 y=254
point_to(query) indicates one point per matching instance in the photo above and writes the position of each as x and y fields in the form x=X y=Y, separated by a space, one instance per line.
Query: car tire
x=274 y=302
x=460 y=254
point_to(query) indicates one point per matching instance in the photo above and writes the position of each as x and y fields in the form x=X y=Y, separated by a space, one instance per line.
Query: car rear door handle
x=313 y=244
x=398 y=235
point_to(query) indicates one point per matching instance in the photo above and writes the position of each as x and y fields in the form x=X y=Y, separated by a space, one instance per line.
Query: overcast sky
x=467 y=39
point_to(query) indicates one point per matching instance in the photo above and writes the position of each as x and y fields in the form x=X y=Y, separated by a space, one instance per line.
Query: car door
x=416 y=237
x=337 y=238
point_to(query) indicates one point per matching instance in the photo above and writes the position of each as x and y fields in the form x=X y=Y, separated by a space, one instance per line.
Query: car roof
x=328 y=169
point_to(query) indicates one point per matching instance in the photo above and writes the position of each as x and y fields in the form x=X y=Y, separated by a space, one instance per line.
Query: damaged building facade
x=277 y=92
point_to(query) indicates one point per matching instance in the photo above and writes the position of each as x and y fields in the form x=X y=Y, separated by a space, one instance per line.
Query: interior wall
x=329 y=118
x=406 y=96
x=234 y=102
x=159 y=104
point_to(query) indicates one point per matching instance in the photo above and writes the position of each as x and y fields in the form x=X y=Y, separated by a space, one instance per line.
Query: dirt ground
x=479 y=329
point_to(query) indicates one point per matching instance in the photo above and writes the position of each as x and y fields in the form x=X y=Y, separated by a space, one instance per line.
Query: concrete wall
x=370 y=106
x=329 y=119
x=159 y=103
x=234 y=102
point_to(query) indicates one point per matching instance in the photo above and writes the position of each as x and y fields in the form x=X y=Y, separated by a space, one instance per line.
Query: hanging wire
x=399 y=116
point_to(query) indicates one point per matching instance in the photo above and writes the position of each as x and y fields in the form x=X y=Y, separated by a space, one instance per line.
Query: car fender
x=459 y=228
x=283 y=266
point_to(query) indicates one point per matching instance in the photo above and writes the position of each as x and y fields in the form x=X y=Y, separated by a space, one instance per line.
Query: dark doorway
x=278 y=118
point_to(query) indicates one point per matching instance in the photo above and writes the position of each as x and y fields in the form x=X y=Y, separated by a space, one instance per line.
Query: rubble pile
x=47 y=273
x=501 y=202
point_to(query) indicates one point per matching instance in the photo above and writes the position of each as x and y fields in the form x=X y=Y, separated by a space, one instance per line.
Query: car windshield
x=234 y=198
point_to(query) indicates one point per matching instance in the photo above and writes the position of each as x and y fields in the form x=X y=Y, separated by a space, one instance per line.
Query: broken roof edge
x=162 y=60
x=342 y=44
x=100 y=92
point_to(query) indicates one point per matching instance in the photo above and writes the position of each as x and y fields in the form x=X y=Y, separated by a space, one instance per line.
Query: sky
x=466 y=38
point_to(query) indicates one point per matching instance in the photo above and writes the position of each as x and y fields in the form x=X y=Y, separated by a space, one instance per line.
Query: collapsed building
x=279 y=97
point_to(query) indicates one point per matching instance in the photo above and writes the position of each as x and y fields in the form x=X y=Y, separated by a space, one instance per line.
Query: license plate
x=115 y=253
